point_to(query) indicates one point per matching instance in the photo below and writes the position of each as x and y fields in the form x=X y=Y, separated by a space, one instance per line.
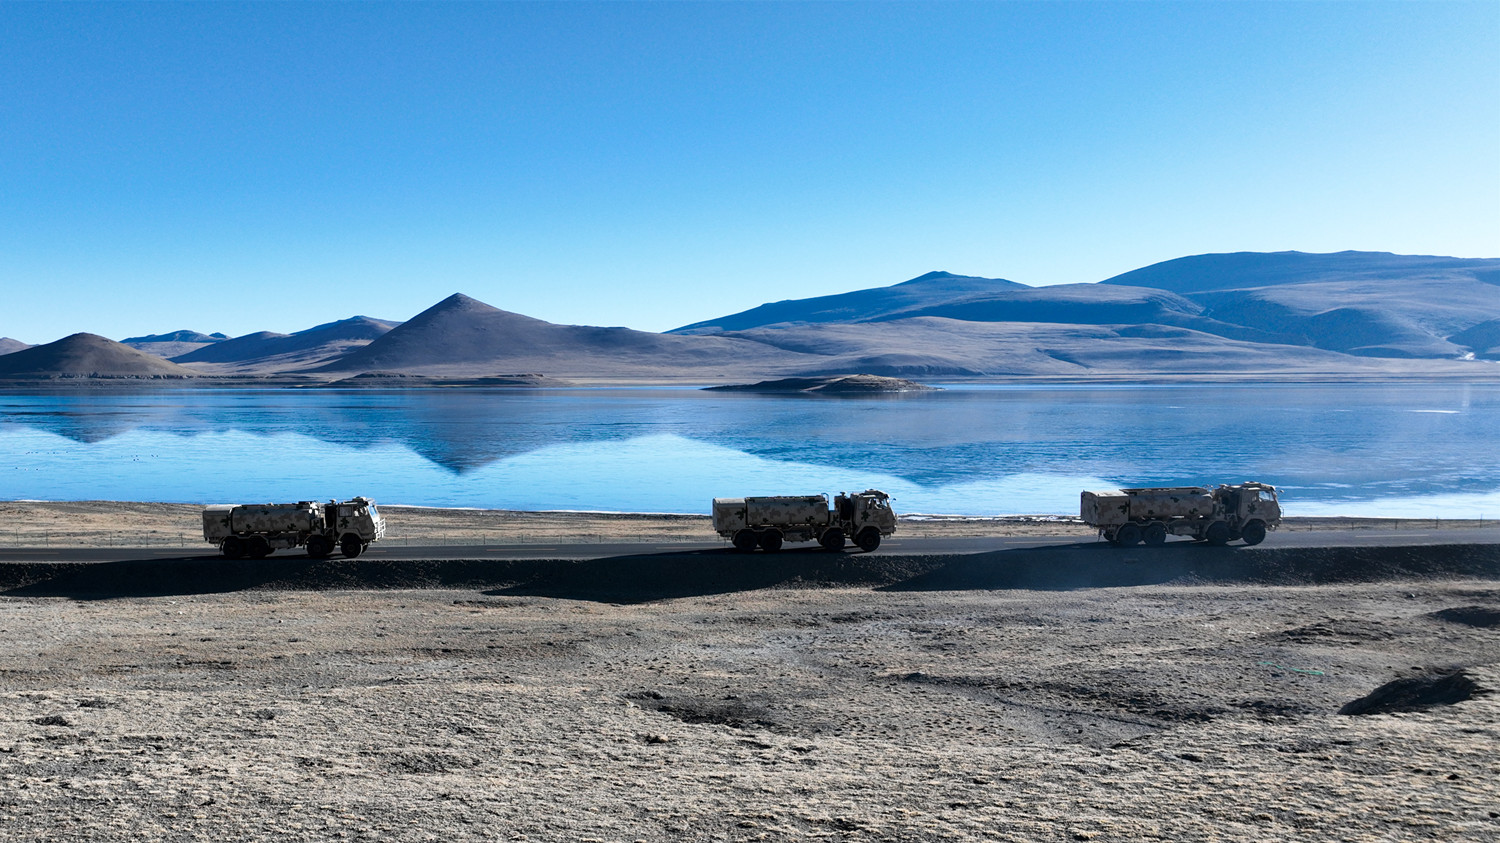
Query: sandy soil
x=1160 y=712
x=126 y=524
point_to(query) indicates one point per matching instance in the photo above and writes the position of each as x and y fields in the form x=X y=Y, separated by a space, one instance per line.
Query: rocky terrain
x=1174 y=712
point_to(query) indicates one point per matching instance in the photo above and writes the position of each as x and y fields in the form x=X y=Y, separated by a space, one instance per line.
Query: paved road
x=893 y=546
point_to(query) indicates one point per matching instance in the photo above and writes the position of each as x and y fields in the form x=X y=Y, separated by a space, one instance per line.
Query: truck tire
x=868 y=539
x=319 y=547
x=1154 y=534
x=832 y=540
x=745 y=540
x=1254 y=532
x=233 y=548
x=1129 y=535
x=1217 y=534
x=351 y=546
x=258 y=547
x=770 y=540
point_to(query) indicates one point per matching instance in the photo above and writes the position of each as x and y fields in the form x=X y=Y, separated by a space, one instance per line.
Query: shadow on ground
x=644 y=578
x=1095 y=565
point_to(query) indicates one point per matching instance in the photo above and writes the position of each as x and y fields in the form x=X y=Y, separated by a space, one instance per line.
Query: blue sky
x=242 y=167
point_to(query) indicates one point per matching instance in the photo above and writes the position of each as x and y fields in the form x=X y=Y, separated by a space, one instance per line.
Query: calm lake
x=1409 y=450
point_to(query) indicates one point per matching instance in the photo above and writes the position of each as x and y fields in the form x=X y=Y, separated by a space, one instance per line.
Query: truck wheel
x=1154 y=534
x=258 y=548
x=770 y=540
x=1217 y=534
x=745 y=541
x=1129 y=535
x=319 y=547
x=233 y=548
x=868 y=539
x=351 y=546
x=1254 y=532
x=832 y=540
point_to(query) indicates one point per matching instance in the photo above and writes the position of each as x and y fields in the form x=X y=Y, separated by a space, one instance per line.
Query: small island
x=402 y=380
x=829 y=385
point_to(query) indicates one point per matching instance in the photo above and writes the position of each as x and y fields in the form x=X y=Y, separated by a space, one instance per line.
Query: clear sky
x=240 y=167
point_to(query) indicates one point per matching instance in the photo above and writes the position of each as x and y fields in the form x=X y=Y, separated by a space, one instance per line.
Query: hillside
x=172 y=344
x=461 y=336
x=1244 y=315
x=266 y=352
x=929 y=347
x=1242 y=270
x=1365 y=304
x=1370 y=304
x=924 y=291
x=87 y=356
x=7 y=345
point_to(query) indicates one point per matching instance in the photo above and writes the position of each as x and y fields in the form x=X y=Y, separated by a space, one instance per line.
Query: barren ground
x=928 y=704
x=1168 y=712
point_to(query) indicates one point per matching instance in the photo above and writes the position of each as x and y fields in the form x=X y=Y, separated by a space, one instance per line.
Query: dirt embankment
x=694 y=573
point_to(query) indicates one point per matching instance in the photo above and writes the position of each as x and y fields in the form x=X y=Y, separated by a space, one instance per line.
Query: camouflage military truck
x=258 y=530
x=766 y=522
x=1214 y=515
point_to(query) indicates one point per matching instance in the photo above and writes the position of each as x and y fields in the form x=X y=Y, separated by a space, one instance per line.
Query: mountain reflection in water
x=966 y=450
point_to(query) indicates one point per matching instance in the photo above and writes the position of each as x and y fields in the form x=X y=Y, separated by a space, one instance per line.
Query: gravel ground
x=904 y=712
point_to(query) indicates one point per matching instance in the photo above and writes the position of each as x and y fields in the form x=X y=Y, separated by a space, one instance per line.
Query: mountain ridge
x=1306 y=314
x=856 y=305
x=84 y=355
x=285 y=352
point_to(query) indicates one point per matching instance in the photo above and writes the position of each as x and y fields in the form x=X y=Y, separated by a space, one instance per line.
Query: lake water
x=1409 y=450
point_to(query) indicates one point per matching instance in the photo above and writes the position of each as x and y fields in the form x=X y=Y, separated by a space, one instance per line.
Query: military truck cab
x=353 y=525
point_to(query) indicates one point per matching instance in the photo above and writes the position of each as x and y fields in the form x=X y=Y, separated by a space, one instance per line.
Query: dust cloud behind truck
x=766 y=522
x=258 y=530
x=1214 y=515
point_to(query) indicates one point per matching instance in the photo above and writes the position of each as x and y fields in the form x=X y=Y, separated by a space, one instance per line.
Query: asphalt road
x=894 y=546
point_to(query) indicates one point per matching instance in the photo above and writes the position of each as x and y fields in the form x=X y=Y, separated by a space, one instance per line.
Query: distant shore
x=145 y=524
x=533 y=382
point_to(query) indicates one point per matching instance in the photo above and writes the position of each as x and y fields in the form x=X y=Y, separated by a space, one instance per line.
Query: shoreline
x=150 y=524
x=563 y=382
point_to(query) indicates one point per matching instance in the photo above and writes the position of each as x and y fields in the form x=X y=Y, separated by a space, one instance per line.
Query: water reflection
x=971 y=450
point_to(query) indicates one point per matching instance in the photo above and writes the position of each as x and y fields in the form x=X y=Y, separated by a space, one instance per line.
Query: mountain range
x=1242 y=315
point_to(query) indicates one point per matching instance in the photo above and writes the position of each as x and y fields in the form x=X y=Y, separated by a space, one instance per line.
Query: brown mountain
x=460 y=336
x=87 y=356
x=7 y=345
